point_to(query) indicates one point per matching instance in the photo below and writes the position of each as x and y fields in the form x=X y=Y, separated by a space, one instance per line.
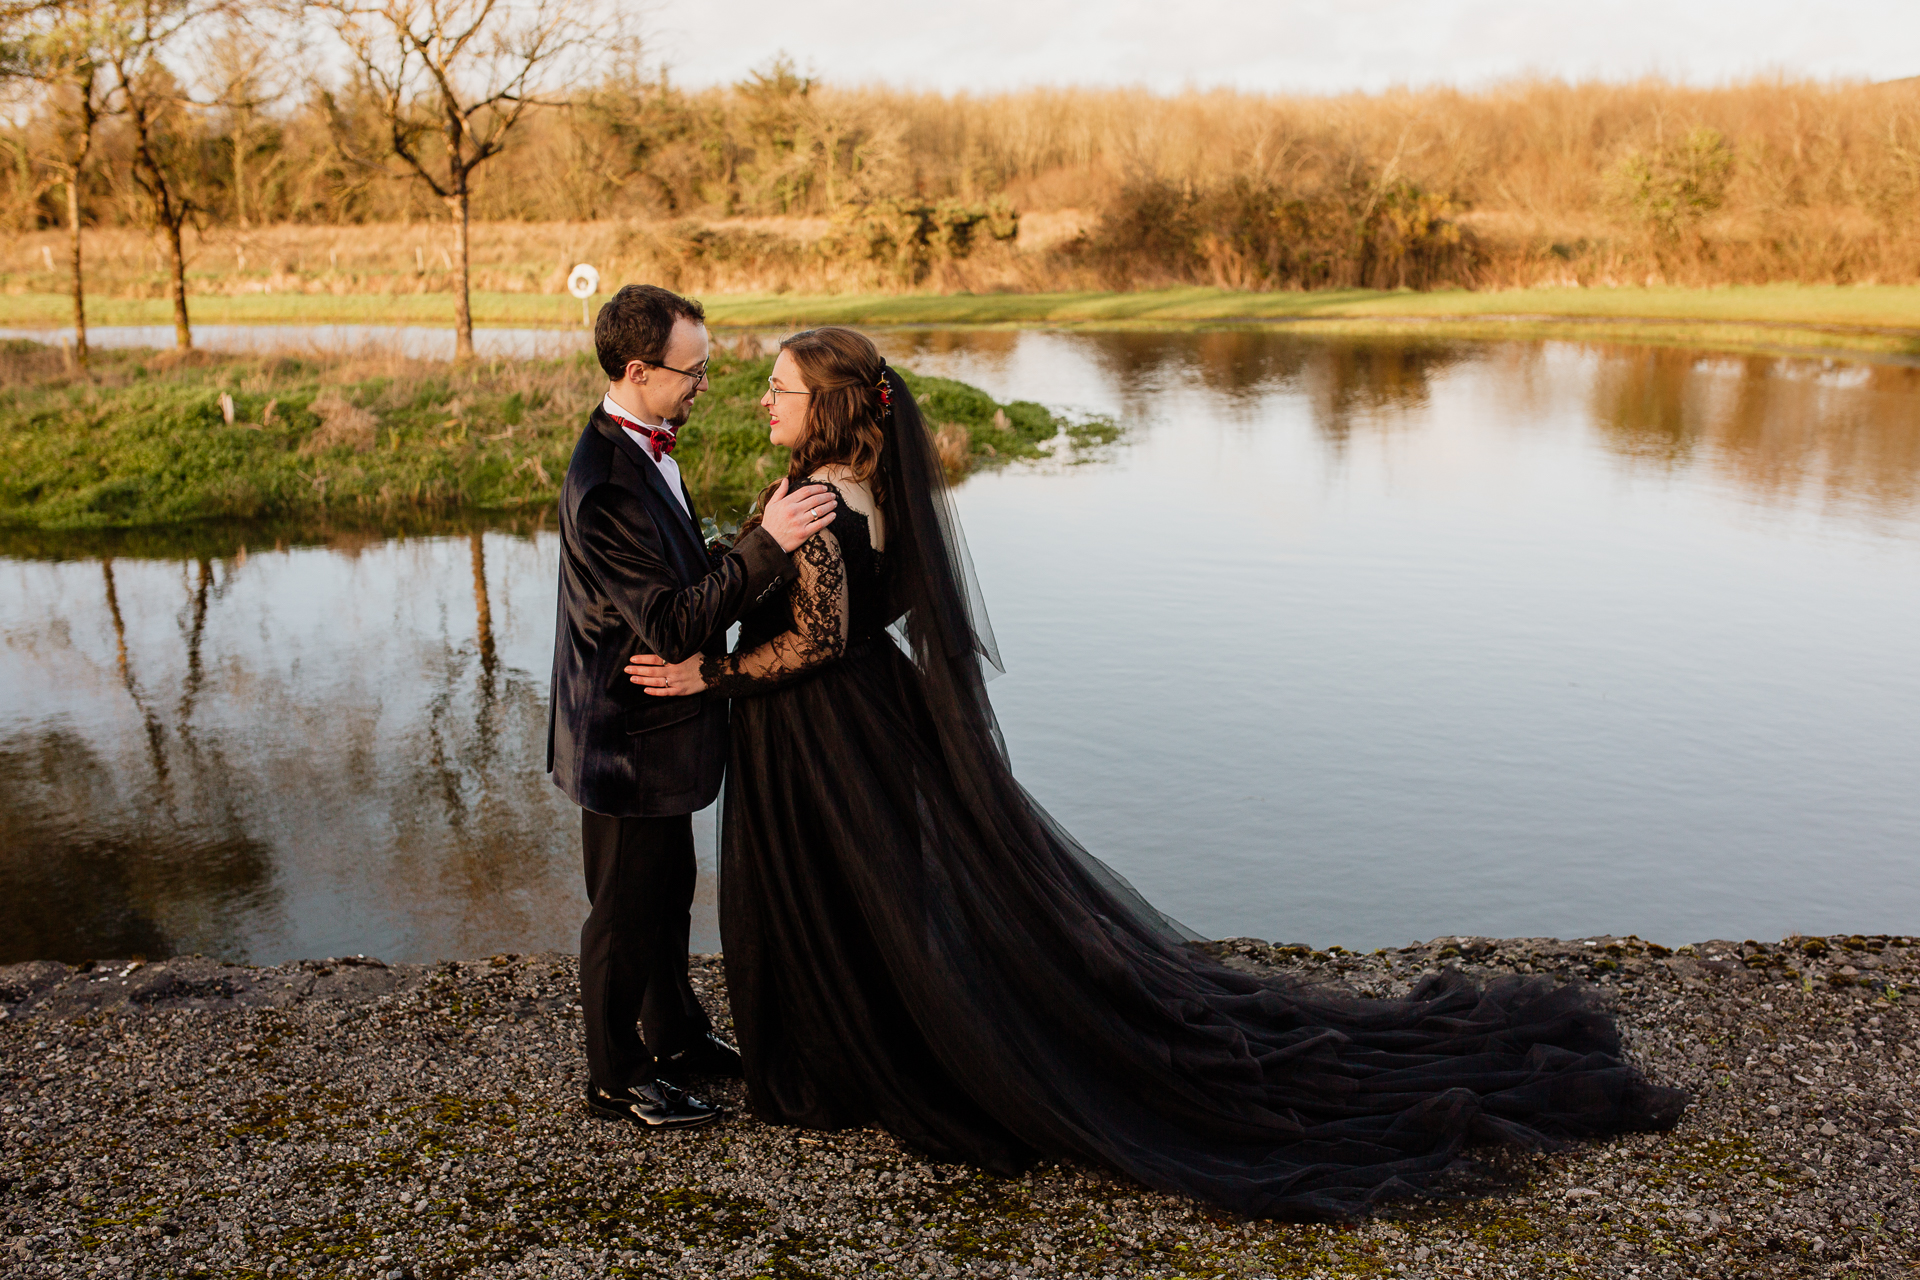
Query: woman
x=911 y=941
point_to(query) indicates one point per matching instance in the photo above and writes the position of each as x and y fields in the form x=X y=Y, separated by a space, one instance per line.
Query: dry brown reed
x=1822 y=184
x=341 y=423
x=24 y=364
x=955 y=448
x=779 y=184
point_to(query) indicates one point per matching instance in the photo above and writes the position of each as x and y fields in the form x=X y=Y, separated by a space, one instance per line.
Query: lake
x=1345 y=642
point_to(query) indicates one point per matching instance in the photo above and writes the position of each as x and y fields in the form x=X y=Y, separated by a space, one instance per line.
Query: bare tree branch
x=156 y=107
x=464 y=72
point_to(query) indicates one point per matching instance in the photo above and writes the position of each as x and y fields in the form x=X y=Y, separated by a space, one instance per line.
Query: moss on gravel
x=346 y=1118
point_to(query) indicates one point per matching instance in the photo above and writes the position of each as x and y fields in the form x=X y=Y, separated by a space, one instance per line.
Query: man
x=635 y=577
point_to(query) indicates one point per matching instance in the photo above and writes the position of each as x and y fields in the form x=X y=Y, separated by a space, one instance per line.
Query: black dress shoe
x=707 y=1056
x=654 y=1105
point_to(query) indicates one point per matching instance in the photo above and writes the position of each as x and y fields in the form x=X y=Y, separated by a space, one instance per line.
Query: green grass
x=141 y=441
x=490 y=310
x=1872 y=321
x=1896 y=306
x=1867 y=320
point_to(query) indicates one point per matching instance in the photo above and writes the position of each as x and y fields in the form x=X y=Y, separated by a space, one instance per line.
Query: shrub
x=1350 y=230
x=1671 y=188
x=902 y=242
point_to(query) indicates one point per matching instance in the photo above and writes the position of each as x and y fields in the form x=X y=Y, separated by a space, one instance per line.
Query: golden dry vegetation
x=780 y=184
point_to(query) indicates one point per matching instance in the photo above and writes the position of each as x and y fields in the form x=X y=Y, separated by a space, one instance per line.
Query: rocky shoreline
x=350 y=1118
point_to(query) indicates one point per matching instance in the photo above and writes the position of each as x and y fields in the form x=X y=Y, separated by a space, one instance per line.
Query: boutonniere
x=718 y=536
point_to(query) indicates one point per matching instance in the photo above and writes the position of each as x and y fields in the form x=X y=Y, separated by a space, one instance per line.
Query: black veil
x=942 y=622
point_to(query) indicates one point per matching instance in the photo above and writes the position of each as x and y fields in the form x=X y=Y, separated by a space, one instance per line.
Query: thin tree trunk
x=242 y=124
x=182 y=331
x=28 y=219
x=79 y=295
x=462 y=307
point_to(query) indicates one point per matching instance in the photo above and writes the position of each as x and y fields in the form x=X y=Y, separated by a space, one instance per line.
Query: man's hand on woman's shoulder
x=794 y=517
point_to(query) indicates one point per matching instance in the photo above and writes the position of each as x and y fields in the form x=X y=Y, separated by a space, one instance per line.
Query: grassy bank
x=1862 y=320
x=1896 y=306
x=145 y=440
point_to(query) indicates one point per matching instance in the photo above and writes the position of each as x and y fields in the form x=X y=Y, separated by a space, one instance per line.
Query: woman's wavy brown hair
x=844 y=408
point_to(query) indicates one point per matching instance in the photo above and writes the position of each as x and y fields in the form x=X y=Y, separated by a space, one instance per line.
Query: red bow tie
x=659 y=439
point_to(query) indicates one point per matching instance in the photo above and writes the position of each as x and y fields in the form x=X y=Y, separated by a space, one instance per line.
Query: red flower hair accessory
x=886 y=392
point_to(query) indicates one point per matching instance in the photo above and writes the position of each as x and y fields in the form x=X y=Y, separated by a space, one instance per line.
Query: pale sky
x=1284 y=45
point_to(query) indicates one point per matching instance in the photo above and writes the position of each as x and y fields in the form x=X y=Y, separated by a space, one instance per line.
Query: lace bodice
x=836 y=604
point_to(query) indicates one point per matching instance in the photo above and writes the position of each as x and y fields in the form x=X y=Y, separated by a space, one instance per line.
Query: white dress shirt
x=668 y=467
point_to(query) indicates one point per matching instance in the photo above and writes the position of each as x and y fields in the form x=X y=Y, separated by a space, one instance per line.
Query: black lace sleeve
x=819 y=635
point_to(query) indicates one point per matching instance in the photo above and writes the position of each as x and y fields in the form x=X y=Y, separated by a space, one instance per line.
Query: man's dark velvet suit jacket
x=635 y=577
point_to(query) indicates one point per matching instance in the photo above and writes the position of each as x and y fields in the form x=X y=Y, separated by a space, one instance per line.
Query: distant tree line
x=166 y=112
x=172 y=114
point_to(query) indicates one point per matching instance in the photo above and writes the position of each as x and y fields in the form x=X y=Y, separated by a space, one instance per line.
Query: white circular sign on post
x=583 y=284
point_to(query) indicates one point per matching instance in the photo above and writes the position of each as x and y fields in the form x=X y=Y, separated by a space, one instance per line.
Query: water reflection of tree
x=938 y=342
x=1345 y=382
x=1368 y=383
x=482 y=608
x=1781 y=429
x=88 y=869
x=476 y=813
x=467 y=843
x=1236 y=363
x=98 y=861
x=258 y=785
x=150 y=722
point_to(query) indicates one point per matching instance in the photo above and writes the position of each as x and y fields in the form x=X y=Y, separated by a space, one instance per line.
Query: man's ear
x=636 y=371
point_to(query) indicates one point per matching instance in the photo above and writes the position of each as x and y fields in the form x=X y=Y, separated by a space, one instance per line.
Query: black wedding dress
x=912 y=942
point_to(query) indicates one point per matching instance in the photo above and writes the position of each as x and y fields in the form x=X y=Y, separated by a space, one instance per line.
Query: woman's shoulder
x=857 y=494
x=857 y=499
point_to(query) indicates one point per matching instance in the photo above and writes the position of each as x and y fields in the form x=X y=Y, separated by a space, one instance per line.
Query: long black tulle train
x=912 y=942
x=899 y=956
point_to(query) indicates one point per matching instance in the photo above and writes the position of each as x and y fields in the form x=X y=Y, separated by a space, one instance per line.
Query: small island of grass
x=139 y=440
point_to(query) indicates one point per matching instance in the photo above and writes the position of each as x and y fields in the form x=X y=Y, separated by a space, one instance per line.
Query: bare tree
x=62 y=45
x=23 y=126
x=160 y=119
x=462 y=74
x=244 y=78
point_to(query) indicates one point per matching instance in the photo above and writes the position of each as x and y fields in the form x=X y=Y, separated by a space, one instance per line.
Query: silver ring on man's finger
x=814 y=513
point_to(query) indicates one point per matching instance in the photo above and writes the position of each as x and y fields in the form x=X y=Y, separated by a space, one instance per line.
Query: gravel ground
x=357 y=1119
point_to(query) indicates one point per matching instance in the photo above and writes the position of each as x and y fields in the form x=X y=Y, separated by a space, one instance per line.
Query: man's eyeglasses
x=698 y=375
x=782 y=391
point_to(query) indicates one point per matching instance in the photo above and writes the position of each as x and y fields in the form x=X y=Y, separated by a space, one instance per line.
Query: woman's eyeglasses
x=782 y=391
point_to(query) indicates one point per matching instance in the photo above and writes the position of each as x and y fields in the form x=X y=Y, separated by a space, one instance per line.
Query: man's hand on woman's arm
x=666 y=680
x=790 y=519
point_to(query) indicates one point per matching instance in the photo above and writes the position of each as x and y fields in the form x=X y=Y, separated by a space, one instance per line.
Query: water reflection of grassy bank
x=218 y=539
x=311 y=446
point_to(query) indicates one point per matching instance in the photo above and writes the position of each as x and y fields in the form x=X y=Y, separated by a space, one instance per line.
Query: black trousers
x=633 y=947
